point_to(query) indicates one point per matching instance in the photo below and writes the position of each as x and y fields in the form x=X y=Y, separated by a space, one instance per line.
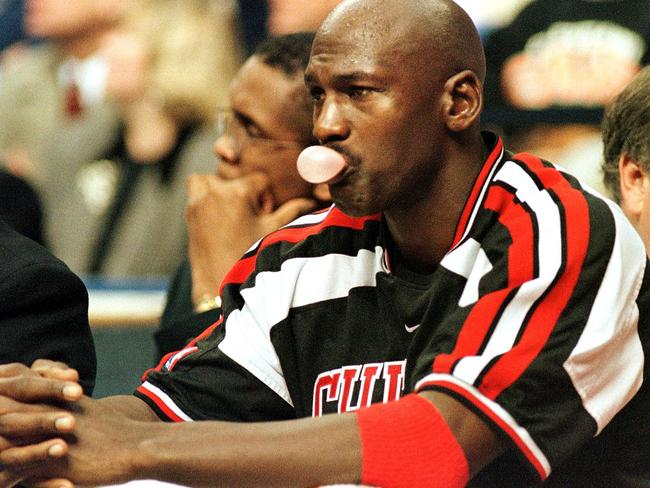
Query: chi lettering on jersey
x=352 y=387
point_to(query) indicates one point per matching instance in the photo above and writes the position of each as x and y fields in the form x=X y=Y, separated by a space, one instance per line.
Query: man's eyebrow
x=344 y=78
x=248 y=121
x=241 y=117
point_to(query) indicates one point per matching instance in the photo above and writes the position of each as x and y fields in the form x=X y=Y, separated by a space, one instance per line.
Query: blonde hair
x=194 y=53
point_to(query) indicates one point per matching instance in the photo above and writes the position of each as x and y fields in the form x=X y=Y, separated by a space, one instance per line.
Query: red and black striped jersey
x=531 y=319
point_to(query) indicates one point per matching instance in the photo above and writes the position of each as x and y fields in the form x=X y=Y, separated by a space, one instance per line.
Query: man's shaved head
x=438 y=33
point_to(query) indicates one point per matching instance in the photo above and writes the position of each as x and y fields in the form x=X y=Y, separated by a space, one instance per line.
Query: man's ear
x=634 y=185
x=322 y=193
x=462 y=100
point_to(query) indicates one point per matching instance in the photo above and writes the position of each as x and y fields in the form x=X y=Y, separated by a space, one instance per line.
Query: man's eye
x=253 y=131
x=359 y=91
x=316 y=94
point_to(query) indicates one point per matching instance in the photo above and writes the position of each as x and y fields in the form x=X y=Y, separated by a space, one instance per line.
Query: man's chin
x=353 y=210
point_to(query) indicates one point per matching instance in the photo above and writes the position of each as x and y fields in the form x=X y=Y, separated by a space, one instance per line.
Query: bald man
x=459 y=316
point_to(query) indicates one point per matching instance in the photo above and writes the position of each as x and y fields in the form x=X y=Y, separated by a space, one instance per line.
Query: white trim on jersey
x=169 y=403
x=469 y=261
x=481 y=196
x=549 y=248
x=607 y=362
x=485 y=404
x=247 y=339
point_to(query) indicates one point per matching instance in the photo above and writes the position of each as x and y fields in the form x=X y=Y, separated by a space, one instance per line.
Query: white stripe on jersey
x=247 y=340
x=549 y=249
x=469 y=261
x=489 y=405
x=606 y=366
x=166 y=400
x=309 y=219
x=481 y=196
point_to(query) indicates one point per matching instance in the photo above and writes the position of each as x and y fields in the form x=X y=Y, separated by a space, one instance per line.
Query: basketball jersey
x=531 y=320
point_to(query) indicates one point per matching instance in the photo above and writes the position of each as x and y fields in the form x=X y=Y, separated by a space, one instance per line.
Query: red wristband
x=407 y=443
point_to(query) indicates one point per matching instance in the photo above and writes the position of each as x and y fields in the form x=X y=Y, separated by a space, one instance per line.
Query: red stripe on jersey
x=472 y=335
x=520 y=268
x=494 y=418
x=206 y=332
x=476 y=190
x=244 y=267
x=160 y=404
x=517 y=220
x=169 y=355
x=511 y=365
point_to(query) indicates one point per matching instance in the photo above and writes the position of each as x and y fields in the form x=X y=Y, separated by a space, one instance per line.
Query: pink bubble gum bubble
x=319 y=164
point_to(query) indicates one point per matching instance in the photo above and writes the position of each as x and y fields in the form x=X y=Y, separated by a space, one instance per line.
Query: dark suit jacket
x=20 y=206
x=43 y=308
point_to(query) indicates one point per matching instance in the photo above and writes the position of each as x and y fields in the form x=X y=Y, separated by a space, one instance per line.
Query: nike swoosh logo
x=411 y=329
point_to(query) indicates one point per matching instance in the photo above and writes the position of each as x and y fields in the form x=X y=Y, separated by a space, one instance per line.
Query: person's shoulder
x=18 y=252
x=330 y=221
x=315 y=235
x=545 y=185
x=551 y=176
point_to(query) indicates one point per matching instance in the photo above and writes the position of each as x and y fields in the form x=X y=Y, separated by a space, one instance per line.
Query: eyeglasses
x=242 y=136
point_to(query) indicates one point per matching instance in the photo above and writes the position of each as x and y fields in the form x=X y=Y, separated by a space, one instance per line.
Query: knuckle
x=42 y=363
x=21 y=385
x=44 y=424
x=49 y=364
x=28 y=388
x=12 y=369
x=6 y=404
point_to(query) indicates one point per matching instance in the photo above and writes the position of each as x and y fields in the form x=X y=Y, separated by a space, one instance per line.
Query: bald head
x=437 y=33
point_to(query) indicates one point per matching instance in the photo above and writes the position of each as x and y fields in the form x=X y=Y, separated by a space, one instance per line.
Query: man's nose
x=226 y=149
x=330 y=124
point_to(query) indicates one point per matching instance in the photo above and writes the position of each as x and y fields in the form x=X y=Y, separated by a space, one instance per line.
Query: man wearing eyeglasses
x=257 y=187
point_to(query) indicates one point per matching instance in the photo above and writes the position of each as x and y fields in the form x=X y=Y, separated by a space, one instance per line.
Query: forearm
x=130 y=407
x=325 y=450
x=305 y=452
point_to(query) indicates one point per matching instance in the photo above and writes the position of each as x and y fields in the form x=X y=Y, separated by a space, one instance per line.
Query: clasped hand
x=35 y=420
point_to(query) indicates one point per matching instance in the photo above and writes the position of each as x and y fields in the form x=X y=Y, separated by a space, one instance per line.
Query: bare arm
x=305 y=452
x=130 y=407
x=113 y=447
